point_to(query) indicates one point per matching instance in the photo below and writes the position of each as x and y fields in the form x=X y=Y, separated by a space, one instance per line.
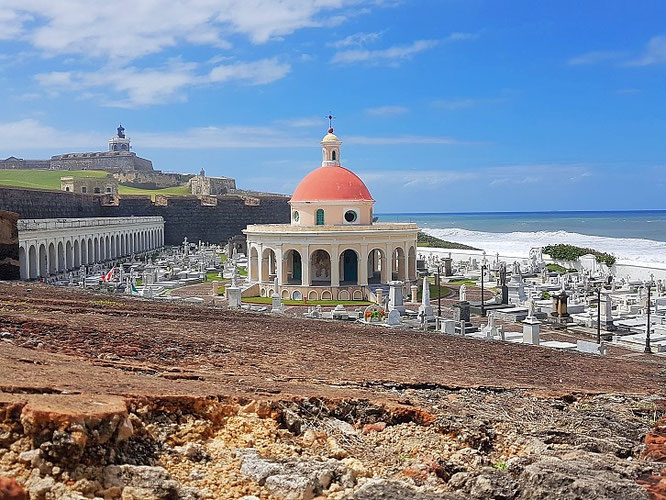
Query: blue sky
x=442 y=105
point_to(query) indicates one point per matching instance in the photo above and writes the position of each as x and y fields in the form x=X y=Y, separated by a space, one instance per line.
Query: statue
x=516 y=269
x=121 y=132
x=463 y=293
x=531 y=308
x=502 y=274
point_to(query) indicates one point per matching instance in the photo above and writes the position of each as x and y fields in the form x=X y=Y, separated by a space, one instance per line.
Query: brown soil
x=431 y=405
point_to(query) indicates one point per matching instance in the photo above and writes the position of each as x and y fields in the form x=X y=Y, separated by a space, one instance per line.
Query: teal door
x=296 y=266
x=350 y=266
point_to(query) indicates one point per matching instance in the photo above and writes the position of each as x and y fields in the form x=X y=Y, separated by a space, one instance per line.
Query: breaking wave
x=518 y=244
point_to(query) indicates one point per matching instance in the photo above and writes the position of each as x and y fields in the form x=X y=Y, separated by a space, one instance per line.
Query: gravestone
x=447 y=265
x=591 y=347
x=395 y=297
x=393 y=318
x=380 y=295
x=448 y=326
x=339 y=312
x=425 y=308
x=234 y=297
x=276 y=304
x=415 y=294
x=531 y=330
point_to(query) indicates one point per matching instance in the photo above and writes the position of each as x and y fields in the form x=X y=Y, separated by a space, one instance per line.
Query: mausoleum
x=333 y=248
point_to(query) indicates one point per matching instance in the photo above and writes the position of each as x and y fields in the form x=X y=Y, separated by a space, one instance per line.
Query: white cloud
x=416 y=178
x=129 y=29
x=454 y=104
x=391 y=54
x=257 y=72
x=29 y=133
x=405 y=139
x=387 y=111
x=457 y=37
x=654 y=53
x=147 y=86
x=595 y=57
x=356 y=40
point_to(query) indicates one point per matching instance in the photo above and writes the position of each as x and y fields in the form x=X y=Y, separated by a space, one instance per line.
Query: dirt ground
x=208 y=397
x=213 y=351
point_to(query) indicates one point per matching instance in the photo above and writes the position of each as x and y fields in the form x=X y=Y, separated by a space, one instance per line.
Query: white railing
x=96 y=222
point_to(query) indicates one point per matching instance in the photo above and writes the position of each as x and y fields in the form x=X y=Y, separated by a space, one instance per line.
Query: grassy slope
x=50 y=179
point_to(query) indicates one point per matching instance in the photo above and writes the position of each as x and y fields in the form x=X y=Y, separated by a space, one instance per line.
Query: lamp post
x=439 y=293
x=599 y=315
x=483 y=308
x=648 y=350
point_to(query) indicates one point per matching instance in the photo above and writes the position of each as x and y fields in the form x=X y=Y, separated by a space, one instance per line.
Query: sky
x=441 y=105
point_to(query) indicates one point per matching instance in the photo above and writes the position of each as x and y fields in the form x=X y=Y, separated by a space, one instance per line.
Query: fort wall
x=210 y=219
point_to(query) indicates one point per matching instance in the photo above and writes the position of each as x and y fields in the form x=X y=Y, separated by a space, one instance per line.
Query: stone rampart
x=151 y=180
x=184 y=216
x=110 y=160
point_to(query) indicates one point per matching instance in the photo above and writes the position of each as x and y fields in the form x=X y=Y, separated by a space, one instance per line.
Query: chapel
x=333 y=248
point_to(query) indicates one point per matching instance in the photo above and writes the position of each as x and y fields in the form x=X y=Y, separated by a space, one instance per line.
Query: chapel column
x=389 y=263
x=335 y=265
x=305 y=266
x=278 y=264
x=363 y=277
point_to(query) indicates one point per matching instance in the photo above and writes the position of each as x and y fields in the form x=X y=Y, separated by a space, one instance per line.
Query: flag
x=107 y=277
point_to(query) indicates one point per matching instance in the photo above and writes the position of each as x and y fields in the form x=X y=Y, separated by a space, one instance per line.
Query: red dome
x=331 y=184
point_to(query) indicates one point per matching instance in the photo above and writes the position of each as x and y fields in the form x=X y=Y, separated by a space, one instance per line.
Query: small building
x=210 y=186
x=89 y=185
x=333 y=248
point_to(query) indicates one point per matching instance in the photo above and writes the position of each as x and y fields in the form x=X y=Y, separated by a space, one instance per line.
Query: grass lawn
x=268 y=300
x=43 y=179
x=463 y=282
x=212 y=276
x=220 y=290
x=433 y=291
x=50 y=179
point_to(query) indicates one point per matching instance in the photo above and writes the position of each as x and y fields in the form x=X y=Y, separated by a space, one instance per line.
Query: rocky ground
x=124 y=398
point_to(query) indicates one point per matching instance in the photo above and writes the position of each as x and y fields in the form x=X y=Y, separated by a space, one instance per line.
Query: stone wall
x=19 y=163
x=111 y=161
x=151 y=180
x=201 y=184
x=9 y=246
x=183 y=215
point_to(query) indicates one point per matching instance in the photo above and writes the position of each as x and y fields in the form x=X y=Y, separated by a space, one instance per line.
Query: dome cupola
x=331 y=194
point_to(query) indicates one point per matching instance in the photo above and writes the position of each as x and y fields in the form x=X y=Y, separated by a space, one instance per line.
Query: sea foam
x=519 y=243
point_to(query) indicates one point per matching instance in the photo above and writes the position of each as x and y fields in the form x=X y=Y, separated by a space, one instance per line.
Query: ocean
x=637 y=236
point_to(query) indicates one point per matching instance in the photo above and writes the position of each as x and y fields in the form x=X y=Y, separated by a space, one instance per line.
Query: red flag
x=107 y=277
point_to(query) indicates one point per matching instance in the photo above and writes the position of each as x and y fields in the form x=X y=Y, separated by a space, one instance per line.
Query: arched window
x=333 y=155
x=320 y=217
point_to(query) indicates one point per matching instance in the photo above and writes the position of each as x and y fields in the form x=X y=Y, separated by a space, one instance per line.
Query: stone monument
x=531 y=326
x=425 y=308
x=395 y=297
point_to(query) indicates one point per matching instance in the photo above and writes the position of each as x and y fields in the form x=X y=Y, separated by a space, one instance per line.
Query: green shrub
x=425 y=240
x=571 y=252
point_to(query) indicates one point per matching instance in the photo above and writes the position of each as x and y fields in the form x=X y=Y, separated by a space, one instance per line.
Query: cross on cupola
x=330 y=146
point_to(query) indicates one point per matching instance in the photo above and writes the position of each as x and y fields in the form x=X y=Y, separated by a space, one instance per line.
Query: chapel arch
x=292 y=268
x=268 y=265
x=254 y=264
x=399 y=264
x=320 y=268
x=411 y=264
x=349 y=271
x=377 y=267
